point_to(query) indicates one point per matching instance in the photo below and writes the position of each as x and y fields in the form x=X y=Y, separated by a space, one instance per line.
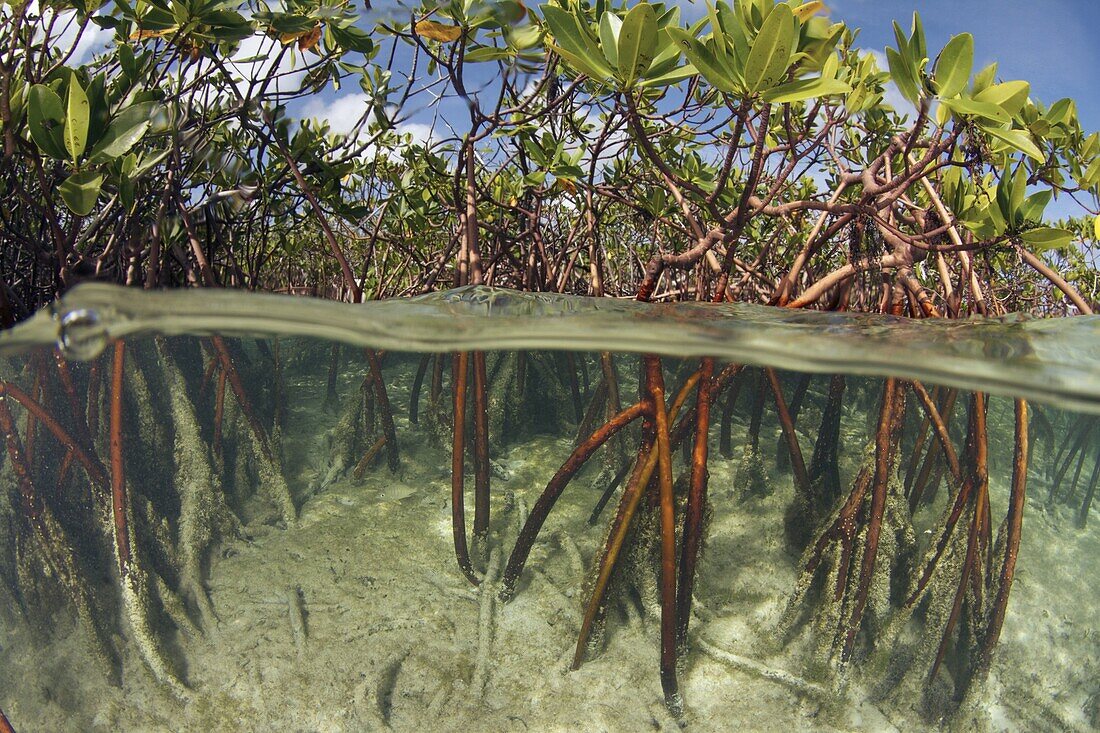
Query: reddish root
x=481 y=447
x=386 y=413
x=368 y=457
x=458 y=468
x=234 y=377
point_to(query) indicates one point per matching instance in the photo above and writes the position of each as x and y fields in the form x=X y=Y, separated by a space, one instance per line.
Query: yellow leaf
x=438 y=31
x=291 y=37
x=804 y=11
x=141 y=34
x=1096 y=228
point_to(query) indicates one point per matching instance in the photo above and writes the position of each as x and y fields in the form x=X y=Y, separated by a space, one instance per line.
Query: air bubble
x=83 y=335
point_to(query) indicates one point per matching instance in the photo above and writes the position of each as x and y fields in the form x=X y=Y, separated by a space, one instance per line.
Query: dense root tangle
x=121 y=425
x=204 y=514
x=847 y=552
x=150 y=409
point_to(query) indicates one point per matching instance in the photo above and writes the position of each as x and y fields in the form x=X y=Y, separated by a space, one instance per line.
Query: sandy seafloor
x=358 y=619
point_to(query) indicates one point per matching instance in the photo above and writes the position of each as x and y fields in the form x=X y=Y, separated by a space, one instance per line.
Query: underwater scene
x=494 y=511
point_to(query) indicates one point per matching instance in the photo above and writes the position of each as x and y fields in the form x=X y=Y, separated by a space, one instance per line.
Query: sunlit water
x=319 y=590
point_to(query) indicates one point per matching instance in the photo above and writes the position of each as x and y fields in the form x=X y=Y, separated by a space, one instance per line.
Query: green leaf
x=806 y=10
x=1006 y=188
x=1045 y=238
x=1091 y=175
x=675 y=76
x=146 y=164
x=488 y=53
x=572 y=36
x=984 y=78
x=1009 y=95
x=796 y=91
x=77 y=116
x=721 y=50
x=351 y=38
x=1059 y=112
x=993 y=220
x=1019 y=191
x=1032 y=209
x=904 y=75
x=917 y=47
x=637 y=43
x=45 y=117
x=80 y=191
x=1091 y=146
x=126 y=194
x=964 y=105
x=590 y=45
x=581 y=63
x=127 y=61
x=123 y=133
x=668 y=58
x=954 y=65
x=99 y=109
x=734 y=33
x=902 y=40
x=1017 y=139
x=771 y=51
x=704 y=60
x=610 y=27
x=522 y=38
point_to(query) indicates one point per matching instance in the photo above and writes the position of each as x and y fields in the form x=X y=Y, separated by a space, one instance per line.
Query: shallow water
x=314 y=590
x=1053 y=360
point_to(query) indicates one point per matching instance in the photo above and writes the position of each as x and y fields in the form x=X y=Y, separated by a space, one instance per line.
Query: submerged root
x=270 y=479
x=752 y=474
x=829 y=585
x=52 y=546
x=754 y=668
x=345 y=444
x=137 y=607
x=486 y=621
x=855 y=598
x=204 y=515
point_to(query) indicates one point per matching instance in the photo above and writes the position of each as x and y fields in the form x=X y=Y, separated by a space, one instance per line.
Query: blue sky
x=1050 y=43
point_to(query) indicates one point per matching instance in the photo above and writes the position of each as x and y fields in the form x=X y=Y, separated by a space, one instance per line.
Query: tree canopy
x=599 y=148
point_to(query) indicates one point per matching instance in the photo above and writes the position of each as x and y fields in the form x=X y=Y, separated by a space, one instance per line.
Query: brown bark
x=458 y=468
x=696 y=502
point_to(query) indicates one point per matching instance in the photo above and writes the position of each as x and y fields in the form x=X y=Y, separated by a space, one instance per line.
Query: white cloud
x=345 y=113
x=342 y=113
x=267 y=57
x=421 y=134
